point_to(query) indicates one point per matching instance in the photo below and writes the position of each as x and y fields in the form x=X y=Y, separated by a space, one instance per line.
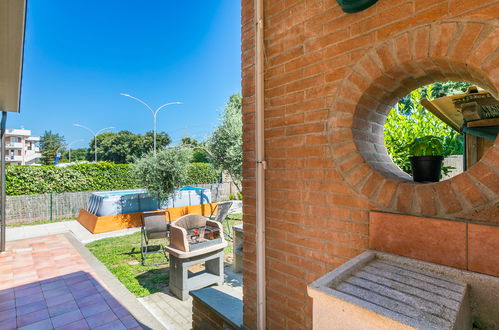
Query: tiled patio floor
x=46 y=284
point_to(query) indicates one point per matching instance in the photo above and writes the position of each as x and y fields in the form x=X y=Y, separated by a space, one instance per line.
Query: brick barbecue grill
x=195 y=239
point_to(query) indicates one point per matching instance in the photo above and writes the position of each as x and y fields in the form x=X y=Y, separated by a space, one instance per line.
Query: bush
x=198 y=173
x=27 y=180
x=160 y=174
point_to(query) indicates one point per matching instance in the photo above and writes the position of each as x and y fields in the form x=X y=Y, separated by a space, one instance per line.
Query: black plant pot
x=426 y=168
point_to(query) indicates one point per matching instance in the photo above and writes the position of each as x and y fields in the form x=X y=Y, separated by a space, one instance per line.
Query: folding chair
x=154 y=225
x=222 y=210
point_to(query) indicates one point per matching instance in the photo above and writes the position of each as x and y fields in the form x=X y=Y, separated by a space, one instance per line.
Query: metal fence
x=31 y=208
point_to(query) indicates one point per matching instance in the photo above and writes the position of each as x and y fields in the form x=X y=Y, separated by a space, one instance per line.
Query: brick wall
x=329 y=80
x=204 y=317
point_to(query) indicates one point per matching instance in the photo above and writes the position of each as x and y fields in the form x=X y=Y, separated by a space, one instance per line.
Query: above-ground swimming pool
x=104 y=203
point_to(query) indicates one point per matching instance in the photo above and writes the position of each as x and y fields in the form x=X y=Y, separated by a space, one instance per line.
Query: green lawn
x=122 y=257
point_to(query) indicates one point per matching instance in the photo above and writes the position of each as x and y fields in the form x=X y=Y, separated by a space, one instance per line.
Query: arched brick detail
x=451 y=50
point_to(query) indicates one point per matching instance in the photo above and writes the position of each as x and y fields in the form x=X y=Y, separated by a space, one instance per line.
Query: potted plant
x=427 y=157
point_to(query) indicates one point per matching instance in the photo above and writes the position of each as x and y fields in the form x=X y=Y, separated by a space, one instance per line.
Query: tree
x=404 y=124
x=225 y=144
x=124 y=146
x=160 y=174
x=77 y=155
x=200 y=153
x=50 y=144
x=439 y=89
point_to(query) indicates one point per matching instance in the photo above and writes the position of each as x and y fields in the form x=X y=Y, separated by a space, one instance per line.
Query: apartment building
x=21 y=148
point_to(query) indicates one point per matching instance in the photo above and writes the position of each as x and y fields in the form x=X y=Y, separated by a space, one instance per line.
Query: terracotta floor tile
x=78 y=325
x=52 y=301
x=129 y=321
x=26 y=291
x=27 y=319
x=56 y=292
x=36 y=295
x=90 y=300
x=30 y=308
x=8 y=324
x=53 y=285
x=66 y=318
x=63 y=308
x=40 y=325
x=115 y=325
x=32 y=298
x=101 y=319
x=7 y=314
x=94 y=309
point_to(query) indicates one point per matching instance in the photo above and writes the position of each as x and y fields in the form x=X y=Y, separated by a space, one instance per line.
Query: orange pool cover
x=96 y=224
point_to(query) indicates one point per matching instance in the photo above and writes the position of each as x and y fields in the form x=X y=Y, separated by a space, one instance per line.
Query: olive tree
x=225 y=143
x=160 y=174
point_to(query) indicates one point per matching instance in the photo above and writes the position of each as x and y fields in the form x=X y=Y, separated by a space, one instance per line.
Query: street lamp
x=95 y=136
x=154 y=113
x=69 y=147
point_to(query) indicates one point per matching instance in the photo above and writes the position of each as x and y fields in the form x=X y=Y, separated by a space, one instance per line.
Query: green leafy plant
x=28 y=180
x=50 y=144
x=225 y=144
x=198 y=173
x=409 y=120
x=232 y=197
x=160 y=174
x=427 y=146
x=239 y=196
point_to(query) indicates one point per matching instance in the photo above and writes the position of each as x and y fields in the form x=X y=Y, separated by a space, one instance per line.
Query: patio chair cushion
x=223 y=210
x=155 y=224
x=190 y=221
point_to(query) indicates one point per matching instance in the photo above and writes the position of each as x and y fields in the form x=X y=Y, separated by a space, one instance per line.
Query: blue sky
x=81 y=54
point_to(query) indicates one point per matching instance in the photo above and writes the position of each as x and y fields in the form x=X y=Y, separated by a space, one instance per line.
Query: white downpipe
x=260 y=169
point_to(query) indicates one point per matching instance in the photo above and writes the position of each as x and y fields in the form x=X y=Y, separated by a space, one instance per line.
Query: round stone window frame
x=441 y=51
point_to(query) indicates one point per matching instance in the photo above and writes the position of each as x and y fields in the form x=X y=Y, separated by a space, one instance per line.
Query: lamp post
x=95 y=136
x=154 y=113
x=69 y=148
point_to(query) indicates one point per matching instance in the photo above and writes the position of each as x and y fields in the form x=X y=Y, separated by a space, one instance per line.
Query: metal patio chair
x=154 y=226
x=222 y=211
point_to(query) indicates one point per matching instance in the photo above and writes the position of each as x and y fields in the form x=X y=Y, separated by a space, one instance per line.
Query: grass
x=122 y=257
x=40 y=222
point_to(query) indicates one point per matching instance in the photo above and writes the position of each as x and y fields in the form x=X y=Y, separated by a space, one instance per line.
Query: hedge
x=28 y=180
x=198 y=173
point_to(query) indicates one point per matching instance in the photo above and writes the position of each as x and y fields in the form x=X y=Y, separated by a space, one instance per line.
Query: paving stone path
x=46 y=284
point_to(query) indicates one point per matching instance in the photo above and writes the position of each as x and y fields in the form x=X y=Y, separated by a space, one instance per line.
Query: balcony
x=18 y=132
x=13 y=158
x=14 y=145
x=32 y=157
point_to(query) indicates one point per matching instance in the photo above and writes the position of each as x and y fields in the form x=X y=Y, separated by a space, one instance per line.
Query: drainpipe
x=3 y=203
x=260 y=169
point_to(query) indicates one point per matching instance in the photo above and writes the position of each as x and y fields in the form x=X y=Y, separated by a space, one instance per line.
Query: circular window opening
x=439 y=130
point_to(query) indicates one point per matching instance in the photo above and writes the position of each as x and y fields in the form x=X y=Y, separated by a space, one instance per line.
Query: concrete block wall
x=330 y=79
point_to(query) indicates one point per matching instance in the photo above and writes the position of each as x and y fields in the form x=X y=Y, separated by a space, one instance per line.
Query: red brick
x=465 y=186
x=329 y=77
x=404 y=198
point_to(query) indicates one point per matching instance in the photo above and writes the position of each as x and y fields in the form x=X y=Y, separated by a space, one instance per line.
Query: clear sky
x=81 y=54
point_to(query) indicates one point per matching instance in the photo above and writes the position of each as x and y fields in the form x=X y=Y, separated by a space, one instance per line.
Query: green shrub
x=27 y=180
x=164 y=171
x=198 y=173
